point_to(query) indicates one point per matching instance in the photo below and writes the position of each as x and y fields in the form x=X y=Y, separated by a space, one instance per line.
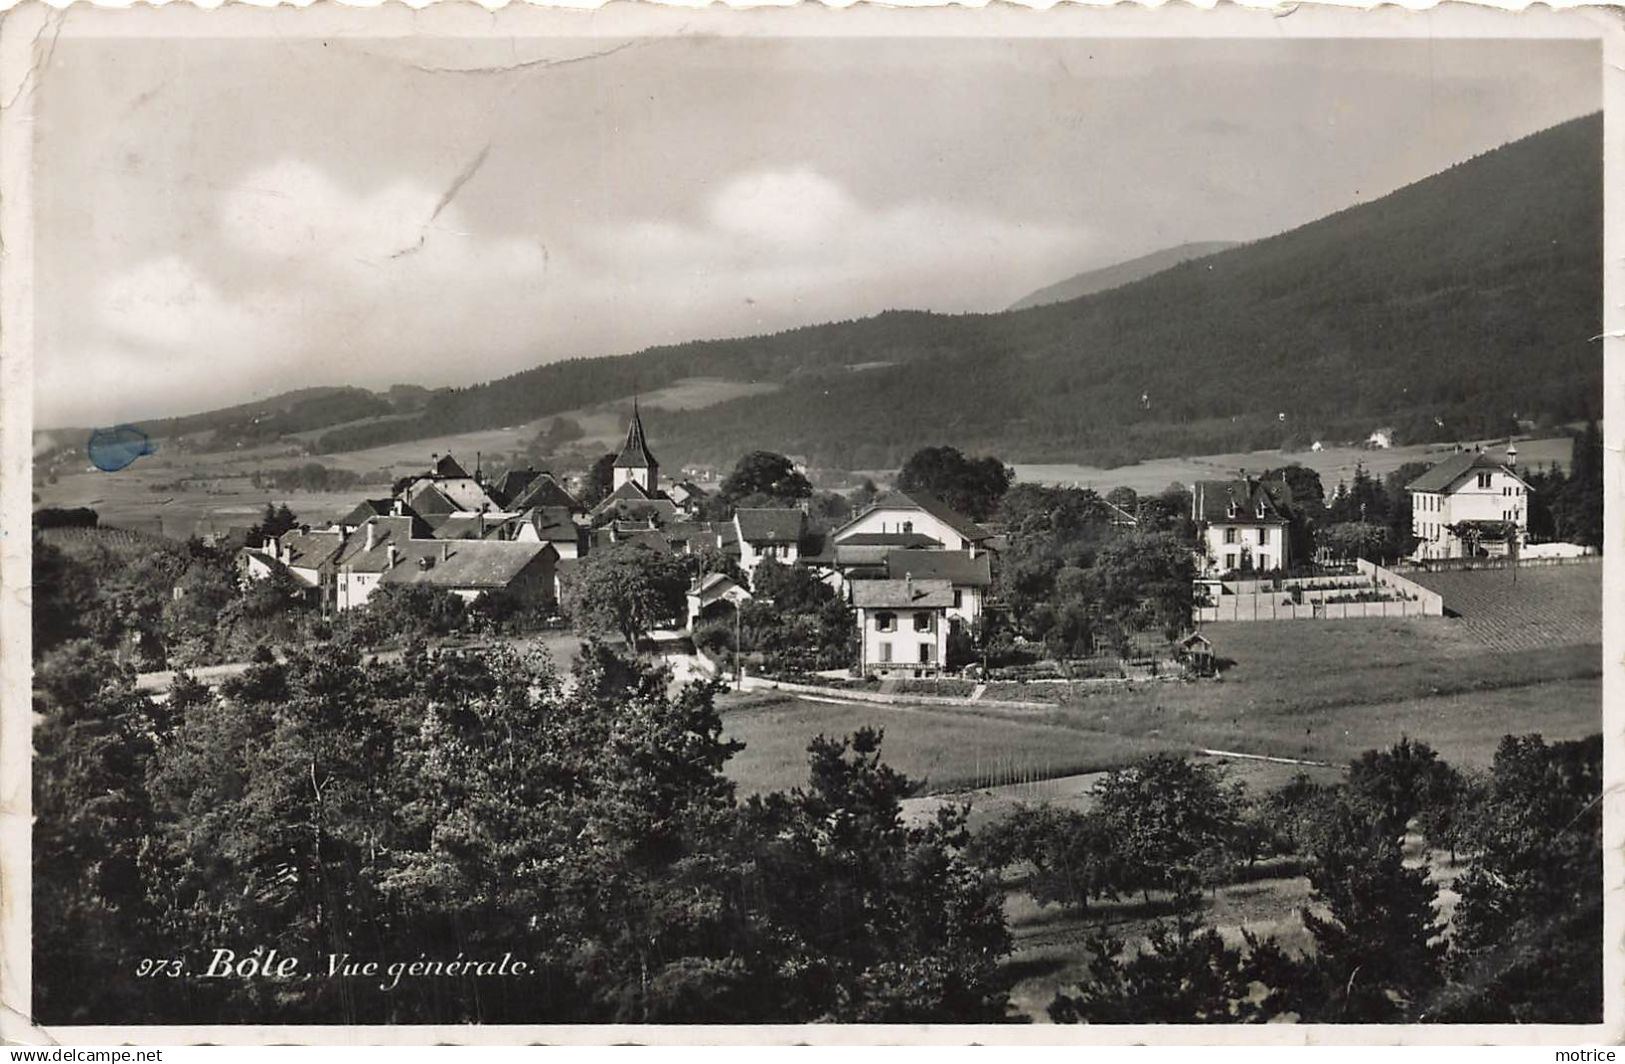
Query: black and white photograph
x=682 y=519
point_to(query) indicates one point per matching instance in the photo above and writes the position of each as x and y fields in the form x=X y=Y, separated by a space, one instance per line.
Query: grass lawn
x=943 y=749
x=1330 y=690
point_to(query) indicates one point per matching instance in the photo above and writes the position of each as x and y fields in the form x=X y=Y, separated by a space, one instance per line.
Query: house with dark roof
x=305 y=556
x=687 y=495
x=968 y=572
x=902 y=625
x=713 y=593
x=1469 y=504
x=385 y=551
x=549 y=524
x=368 y=508
x=544 y=490
x=762 y=533
x=916 y=512
x=449 y=480
x=1241 y=525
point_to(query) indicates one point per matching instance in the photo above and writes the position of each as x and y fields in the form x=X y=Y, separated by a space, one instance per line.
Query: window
x=1263 y=536
x=885 y=622
x=1229 y=535
x=908 y=526
x=1230 y=560
x=926 y=650
x=959 y=599
x=1484 y=480
x=922 y=622
x=885 y=652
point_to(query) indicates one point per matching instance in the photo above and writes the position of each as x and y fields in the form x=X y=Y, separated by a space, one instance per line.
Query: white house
x=768 y=533
x=969 y=574
x=384 y=551
x=712 y=592
x=903 y=625
x=1241 y=525
x=1467 y=504
x=915 y=513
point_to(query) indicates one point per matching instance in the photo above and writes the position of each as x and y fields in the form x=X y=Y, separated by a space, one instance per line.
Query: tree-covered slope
x=1444 y=310
x=1118 y=274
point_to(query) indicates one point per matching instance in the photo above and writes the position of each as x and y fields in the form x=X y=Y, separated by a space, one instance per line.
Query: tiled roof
x=635 y=452
x=902 y=594
x=713 y=587
x=447 y=466
x=894 y=540
x=431 y=500
x=553 y=524
x=770 y=525
x=545 y=490
x=309 y=550
x=473 y=526
x=512 y=484
x=1213 y=499
x=928 y=503
x=955 y=566
x=1445 y=474
x=484 y=564
x=367 y=508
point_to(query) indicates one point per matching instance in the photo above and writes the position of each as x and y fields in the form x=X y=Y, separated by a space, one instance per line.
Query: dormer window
x=1260 y=511
x=1230 y=509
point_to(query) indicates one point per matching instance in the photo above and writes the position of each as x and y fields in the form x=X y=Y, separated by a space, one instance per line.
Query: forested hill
x=1108 y=277
x=1441 y=310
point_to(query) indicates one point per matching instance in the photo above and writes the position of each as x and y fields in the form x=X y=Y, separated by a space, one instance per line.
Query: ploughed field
x=1531 y=607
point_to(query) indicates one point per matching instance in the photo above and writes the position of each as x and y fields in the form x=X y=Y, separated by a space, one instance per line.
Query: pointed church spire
x=635 y=452
x=635 y=462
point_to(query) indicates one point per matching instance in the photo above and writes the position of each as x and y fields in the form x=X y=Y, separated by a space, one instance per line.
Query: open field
x=604 y=426
x=217 y=493
x=942 y=749
x=1333 y=464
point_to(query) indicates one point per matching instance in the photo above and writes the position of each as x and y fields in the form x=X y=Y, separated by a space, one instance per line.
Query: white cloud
x=309 y=282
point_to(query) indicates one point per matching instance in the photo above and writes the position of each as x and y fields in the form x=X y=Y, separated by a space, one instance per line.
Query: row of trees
x=1523 y=943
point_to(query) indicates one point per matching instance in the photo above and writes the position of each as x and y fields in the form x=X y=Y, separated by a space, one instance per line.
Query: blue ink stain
x=113 y=449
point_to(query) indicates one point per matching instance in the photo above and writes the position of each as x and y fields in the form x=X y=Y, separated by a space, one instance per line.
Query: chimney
x=908 y=586
x=394 y=556
x=399 y=508
x=372 y=535
x=972 y=550
x=445 y=550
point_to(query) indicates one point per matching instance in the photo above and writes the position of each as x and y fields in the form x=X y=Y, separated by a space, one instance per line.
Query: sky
x=219 y=221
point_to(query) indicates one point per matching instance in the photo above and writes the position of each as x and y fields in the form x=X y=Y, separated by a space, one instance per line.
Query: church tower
x=635 y=463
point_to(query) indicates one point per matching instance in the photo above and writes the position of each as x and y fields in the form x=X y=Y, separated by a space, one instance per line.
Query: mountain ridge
x=1116 y=275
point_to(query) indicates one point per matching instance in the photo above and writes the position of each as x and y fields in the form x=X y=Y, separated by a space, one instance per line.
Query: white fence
x=1309 y=598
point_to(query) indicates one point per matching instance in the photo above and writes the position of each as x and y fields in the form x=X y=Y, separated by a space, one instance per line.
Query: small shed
x=1196 y=651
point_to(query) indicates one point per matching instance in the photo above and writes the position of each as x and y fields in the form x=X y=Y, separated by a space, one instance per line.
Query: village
x=916 y=583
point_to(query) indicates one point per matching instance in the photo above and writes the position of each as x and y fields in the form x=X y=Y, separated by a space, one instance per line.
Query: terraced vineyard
x=1547 y=606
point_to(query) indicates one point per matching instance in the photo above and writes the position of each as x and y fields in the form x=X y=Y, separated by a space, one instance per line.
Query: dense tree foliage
x=972 y=486
x=762 y=478
x=795 y=623
x=470 y=806
x=1523 y=945
x=625 y=589
x=1077 y=577
x=1527 y=932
